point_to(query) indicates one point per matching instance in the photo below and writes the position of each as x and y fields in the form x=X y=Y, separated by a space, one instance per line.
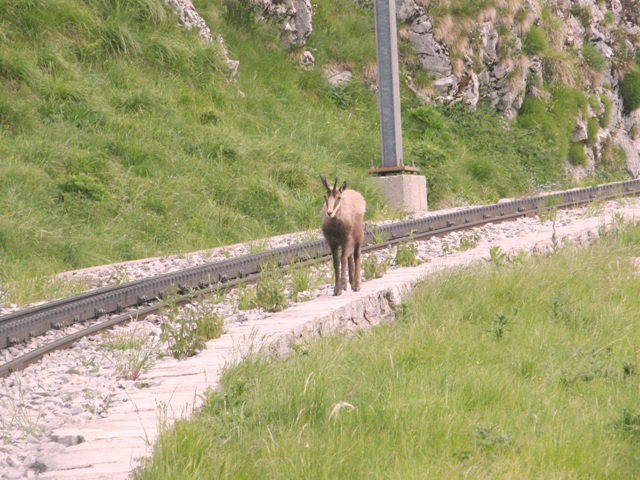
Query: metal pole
x=388 y=83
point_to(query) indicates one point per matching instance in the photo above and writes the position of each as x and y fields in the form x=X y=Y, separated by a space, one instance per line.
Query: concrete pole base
x=405 y=193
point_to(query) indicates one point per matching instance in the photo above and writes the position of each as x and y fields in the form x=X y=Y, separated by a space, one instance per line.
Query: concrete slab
x=114 y=445
x=404 y=193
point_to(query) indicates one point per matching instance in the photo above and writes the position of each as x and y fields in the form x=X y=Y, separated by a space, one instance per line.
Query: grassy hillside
x=521 y=369
x=123 y=136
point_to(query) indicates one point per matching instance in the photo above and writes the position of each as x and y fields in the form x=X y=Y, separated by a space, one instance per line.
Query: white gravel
x=78 y=383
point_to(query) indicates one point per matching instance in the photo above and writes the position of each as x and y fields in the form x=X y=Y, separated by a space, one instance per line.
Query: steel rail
x=19 y=326
x=67 y=341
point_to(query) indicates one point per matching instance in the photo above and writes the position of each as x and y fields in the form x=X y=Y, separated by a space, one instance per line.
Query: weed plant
x=524 y=371
x=247 y=297
x=496 y=256
x=186 y=330
x=406 y=255
x=132 y=352
x=270 y=290
x=630 y=90
x=304 y=279
x=374 y=266
x=534 y=42
x=18 y=421
x=469 y=241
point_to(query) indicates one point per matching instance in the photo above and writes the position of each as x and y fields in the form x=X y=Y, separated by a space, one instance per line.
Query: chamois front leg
x=336 y=269
x=347 y=253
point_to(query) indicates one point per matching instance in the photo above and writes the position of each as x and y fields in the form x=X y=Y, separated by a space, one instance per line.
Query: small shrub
x=605 y=119
x=469 y=241
x=499 y=326
x=593 y=58
x=375 y=268
x=302 y=280
x=347 y=95
x=270 y=289
x=593 y=127
x=534 y=41
x=406 y=255
x=246 y=297
x=258 y=246
x=608 y=18
x=549 y=210
x=210 y=325
x=496 y=256
x=132 y=353
x=185 y=330
x=558 y=68
x=491 y=437
x=376 y=235
x=119 y=275
x=577 y=155
x=582 y=14
x=629 y=423
x=84 y=186
x=561 y=309
x=630 y=91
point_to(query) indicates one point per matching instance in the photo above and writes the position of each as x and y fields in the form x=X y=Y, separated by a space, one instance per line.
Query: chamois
x=343 y=227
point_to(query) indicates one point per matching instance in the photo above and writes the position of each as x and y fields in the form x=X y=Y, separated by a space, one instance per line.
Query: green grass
x=630 y=90
x=534 y=42
x=525 y=369
x=122 y=136
x=474 y=157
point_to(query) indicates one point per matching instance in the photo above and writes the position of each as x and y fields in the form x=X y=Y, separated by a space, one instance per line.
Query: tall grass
x=521 y=370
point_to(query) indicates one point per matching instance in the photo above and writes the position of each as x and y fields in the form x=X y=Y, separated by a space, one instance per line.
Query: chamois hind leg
x=357 y=259
x=352 y=269
x=336 y=269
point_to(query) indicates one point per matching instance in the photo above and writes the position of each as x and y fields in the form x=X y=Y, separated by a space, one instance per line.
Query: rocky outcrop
x=294 y=18
x=190 y=18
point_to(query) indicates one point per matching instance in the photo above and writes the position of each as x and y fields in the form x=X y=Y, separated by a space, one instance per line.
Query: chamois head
x=333 y=196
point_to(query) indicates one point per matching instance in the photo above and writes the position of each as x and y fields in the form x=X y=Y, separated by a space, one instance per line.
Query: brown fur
x=343 y=229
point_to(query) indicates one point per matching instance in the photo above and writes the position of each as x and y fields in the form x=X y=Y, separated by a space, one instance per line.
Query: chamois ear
x=343 y=187
x=324 y=181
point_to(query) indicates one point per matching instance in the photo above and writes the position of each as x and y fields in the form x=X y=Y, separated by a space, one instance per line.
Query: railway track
x=142 y=297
